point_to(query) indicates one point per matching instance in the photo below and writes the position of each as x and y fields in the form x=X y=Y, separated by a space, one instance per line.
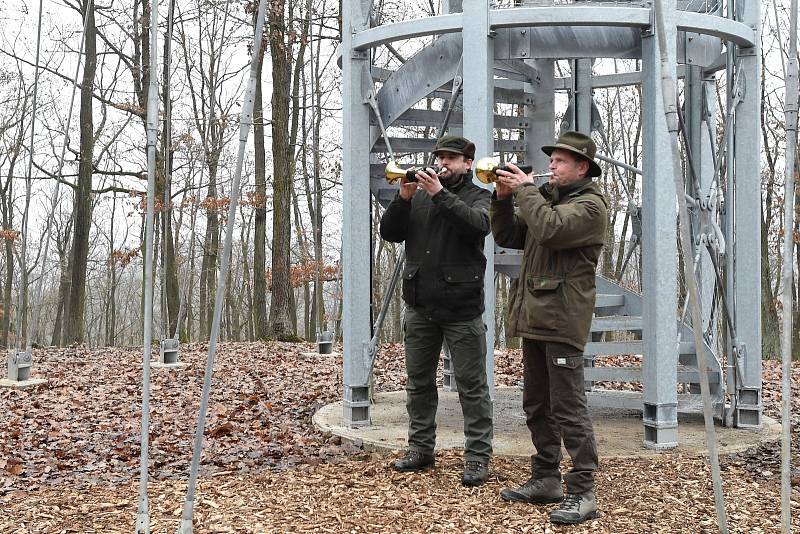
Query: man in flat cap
x=561 y=227
x=444 y=220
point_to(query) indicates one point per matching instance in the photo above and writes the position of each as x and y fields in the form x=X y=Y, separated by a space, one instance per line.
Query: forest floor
x=69 y=456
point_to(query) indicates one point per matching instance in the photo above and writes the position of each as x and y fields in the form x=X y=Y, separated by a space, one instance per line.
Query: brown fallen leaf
x=219 y=431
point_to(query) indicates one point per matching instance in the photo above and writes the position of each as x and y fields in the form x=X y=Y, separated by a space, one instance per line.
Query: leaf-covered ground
x=69 y=456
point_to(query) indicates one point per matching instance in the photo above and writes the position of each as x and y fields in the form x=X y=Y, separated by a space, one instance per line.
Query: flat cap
x=455 y=144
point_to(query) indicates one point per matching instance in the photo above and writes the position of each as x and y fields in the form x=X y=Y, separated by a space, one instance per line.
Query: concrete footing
x=618 y=433
x=317 y=354
x=22 y=384
x=177 y=365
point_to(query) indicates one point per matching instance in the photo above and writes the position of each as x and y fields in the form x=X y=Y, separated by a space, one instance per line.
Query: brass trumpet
x=394 y=173
x=486 y=170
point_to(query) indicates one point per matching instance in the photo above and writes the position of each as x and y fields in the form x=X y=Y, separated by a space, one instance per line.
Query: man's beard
x=450 y=180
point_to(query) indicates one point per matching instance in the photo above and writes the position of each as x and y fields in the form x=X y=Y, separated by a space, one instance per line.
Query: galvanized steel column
x=541 y=115
x=479 y=128
x=747 y=220
x=451 y=6
x=582 y=97
x=356 y=218
x=659 y=252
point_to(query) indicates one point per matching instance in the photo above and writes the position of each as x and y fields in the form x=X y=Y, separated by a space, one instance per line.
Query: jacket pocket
x=462 y=286
x=409 y=283
x=544 y=303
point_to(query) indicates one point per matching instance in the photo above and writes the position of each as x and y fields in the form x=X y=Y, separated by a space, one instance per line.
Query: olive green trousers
x=467 y=343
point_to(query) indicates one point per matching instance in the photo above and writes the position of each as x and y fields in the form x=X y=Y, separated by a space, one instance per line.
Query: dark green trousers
x=467 y=343
x=555 y=408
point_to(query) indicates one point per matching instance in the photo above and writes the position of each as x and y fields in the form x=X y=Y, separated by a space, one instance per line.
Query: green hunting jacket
x=444 y=238
x=562 y=231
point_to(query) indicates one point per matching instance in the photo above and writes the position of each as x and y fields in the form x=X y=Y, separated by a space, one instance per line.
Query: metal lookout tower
x=486 y=53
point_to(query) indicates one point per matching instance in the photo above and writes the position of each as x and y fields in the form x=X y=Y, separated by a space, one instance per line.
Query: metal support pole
x=582 y=95
x=143 y=516
x=540 y=114
x=478 y=46
x=659 y=253
x=791 y=105
x=745 y=246
x=169 y=345
x=670 y=107
x=245 y=124
x=356 y=219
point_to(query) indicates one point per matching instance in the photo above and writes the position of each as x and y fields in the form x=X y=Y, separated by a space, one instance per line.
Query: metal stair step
x=612 y=374
x=634 y=374
x=605 y=300
x=616 y=322
x=602 y=348
x=632 y=400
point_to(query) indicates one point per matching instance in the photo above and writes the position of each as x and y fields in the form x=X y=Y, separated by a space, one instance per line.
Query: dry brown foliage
x=69 y=453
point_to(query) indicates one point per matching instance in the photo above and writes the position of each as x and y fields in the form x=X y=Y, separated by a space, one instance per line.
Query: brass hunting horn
x=394 y=173
x=486 y=170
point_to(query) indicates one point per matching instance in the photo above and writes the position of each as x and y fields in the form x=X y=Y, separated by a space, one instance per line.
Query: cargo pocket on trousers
x=478 y=328
x=568 y=361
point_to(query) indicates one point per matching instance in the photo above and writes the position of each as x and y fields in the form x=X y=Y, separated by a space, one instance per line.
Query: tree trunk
x=111 y=281
x=65 y=261
x=6 y=206
x=248 y=316
x=280 y=321
x=82 y=207
x=7 y=286
x=770 y=325
x=169 y=266
x=208 y=269
x=259 y=248
x=229 y=311
x=189 y=290
x=796 y=312
x=318 y=317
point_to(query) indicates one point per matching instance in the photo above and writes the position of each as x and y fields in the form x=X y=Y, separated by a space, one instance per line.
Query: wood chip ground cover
x=69 y=457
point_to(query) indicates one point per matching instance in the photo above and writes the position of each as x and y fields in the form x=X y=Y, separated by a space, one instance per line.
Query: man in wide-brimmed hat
x=562 y=228
x=444 y=219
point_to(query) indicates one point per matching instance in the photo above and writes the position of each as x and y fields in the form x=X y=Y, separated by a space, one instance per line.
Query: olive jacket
x=444 y=239
x=562 y=231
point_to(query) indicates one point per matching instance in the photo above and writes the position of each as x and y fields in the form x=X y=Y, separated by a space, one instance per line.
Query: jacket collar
x=556 y=194
x=573 y=188
x=462 y=180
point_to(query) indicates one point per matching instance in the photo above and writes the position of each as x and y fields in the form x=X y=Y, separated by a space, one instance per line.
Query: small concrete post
x=19 y=365
x=170 y=350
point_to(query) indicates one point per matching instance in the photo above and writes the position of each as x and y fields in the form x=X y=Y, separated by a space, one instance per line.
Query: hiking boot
x=576 y=508
x=475 y=472
x=536 y=491
x=414 y=461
